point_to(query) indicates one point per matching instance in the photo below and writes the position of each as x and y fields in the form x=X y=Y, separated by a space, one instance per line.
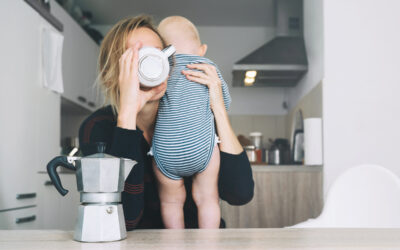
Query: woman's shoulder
x=102 y=114
x=103 y=120
x=105 y=111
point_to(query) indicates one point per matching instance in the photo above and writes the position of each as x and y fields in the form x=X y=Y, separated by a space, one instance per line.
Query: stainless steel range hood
x=282 y=61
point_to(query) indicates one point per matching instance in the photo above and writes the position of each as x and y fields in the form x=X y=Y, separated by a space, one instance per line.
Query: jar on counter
x=251 y=152
x=256 y=139
x=274 y=157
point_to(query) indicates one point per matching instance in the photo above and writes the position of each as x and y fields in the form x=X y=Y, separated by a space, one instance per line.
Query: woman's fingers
x=128 y=62
x=210 y=78
x=210 y=73
x=135 y=58
x=122 y=58
x=203 y=81
x=122 y=63
x=207 y=68
x=194 y=73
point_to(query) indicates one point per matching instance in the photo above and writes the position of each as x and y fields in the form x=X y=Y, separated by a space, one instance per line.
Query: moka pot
x=100 y=180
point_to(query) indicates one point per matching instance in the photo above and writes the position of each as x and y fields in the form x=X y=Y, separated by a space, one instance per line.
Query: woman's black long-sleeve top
x=140 y=196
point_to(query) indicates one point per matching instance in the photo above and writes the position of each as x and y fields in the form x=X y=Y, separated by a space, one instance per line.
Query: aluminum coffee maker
x=100 y=180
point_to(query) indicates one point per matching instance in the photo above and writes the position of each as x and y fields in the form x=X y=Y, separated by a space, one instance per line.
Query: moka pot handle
x=52 y=171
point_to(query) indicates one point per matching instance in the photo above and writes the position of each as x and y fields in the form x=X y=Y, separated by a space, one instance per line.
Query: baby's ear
x=203 y=49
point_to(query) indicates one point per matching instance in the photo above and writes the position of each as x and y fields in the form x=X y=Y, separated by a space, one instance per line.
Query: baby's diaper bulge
x=184 y=164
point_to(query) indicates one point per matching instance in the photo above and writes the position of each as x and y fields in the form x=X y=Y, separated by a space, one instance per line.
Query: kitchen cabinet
x=56 y=211
x=21 y=219
x=79 y=62
x=283 y=196
x=30 y=114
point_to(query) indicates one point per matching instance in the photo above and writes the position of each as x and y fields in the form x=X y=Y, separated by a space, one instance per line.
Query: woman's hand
x=132 y=97
x=207 y=76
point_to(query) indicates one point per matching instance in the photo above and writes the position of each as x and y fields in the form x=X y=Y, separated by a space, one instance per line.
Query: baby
x=185 y=141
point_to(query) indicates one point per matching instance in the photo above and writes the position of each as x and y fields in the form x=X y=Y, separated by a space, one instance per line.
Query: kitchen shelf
x=69 y=14
x=35 y=4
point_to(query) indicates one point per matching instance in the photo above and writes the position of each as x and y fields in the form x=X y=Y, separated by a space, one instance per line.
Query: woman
x=127 y=126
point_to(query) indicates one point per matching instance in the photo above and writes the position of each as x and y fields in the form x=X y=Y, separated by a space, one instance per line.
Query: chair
x=366 y=196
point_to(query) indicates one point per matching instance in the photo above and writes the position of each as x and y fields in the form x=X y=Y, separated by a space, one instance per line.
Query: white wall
x=226 y=45
x=362 y=82
x=313 y=37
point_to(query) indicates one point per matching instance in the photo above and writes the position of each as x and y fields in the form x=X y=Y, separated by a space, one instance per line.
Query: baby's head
x=182 y=33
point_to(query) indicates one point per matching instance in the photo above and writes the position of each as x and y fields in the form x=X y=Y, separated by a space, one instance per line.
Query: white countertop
x=212 y=239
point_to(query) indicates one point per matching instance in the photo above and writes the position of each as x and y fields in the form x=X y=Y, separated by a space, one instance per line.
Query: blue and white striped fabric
x=184 y=136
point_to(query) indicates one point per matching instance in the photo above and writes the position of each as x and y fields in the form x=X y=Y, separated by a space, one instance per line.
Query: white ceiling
x=200 y=12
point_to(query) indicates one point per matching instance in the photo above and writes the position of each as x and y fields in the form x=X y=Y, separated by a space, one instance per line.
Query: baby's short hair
x=181 y=23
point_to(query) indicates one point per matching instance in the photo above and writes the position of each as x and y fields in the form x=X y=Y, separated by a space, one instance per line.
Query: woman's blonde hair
x=112 y=48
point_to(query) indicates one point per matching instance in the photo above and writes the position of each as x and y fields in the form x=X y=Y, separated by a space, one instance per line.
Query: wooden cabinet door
x=21 y=219
x=281 y=198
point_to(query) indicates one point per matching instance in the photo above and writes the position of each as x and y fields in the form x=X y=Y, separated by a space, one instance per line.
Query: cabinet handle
x=26 y=196
x=82 y=99
x=25 y=219
x=91 y=104
x=48 y=183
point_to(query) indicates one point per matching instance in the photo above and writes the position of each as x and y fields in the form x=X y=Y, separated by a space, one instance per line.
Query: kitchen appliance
x=279 y=153
x=281 y=62
x=298 y=147
x=256 y=139
x=154 y=65
x=297 y=152
x=100 y=180
x=251 y=152
x=274 y=155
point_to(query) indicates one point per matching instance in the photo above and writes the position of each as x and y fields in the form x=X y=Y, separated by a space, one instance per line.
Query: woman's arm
x=236 y=184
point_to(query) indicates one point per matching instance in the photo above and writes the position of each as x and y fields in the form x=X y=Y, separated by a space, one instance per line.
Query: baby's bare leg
x=205 y=193
x=172 y=197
